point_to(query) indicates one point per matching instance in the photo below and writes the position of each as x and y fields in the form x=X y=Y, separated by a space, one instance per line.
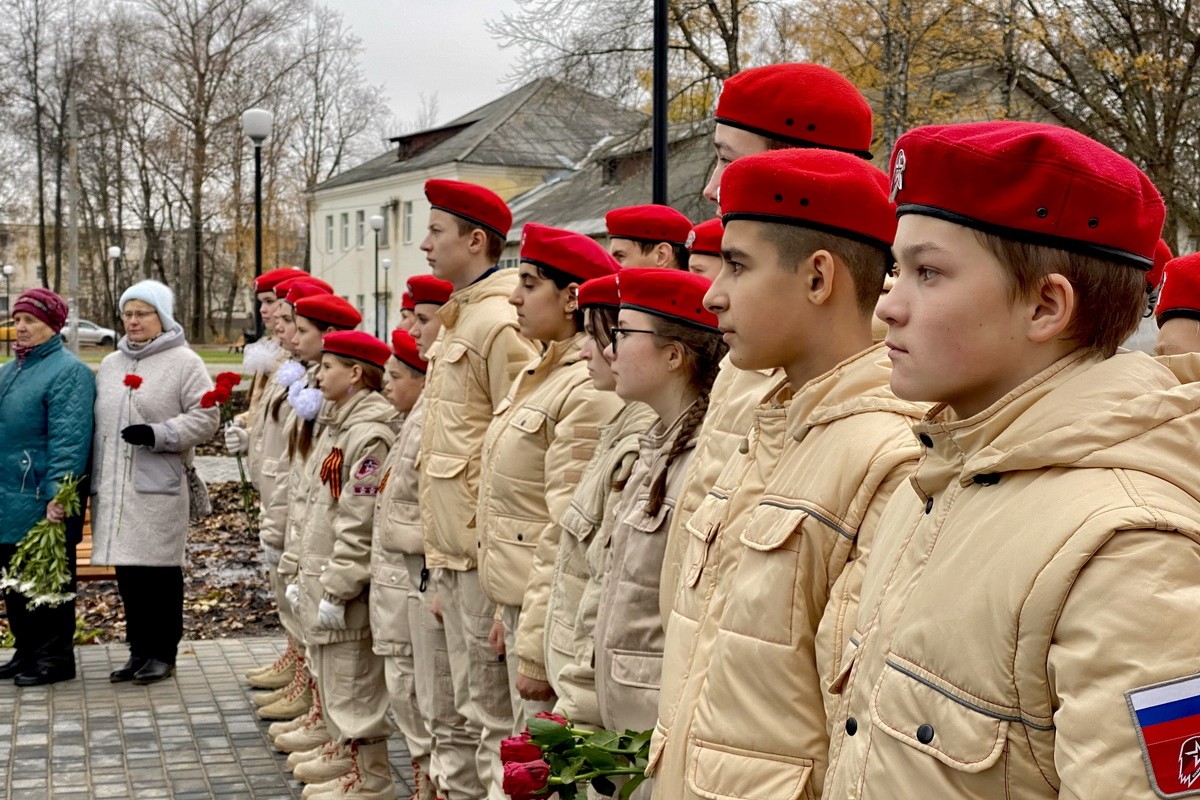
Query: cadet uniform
x=1023 y=628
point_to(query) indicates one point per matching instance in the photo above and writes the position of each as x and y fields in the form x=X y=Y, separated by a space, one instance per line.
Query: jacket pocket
x=401 y=528
x=849 y=655
x=157 y=473
x=721 y=772
x=452 y=383
x=931 y=715
x=637 y=669
x=444 y=467
x=702 y=529
x=643 y=563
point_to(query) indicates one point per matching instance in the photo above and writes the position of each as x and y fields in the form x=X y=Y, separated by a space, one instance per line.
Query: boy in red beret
x=471 y=367
x=777 y=540
x=649 y=235
x=1023 y=625
x=704 y=248
x=1178 y=308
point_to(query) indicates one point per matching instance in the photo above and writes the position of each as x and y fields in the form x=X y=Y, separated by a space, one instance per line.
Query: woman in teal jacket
x=46 y=397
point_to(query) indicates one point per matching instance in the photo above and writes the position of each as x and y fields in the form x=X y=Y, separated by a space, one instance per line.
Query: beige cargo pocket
x=560 y=637
x=452 y=381
x=929 y=714
x=401 y=531
x=703 y=528
x=721 y=772
x=445 y=467
x=646 y=568
x=637 y=669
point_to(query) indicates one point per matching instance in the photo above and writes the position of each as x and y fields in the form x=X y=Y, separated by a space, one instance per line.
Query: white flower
x=289 y=372
x=306 y=402
x=261 y=356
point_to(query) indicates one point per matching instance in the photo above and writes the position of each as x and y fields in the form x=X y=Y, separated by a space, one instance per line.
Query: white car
x=91 y=333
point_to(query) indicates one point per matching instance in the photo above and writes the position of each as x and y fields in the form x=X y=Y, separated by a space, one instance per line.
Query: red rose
x=519 y=749
x=523 y=781
x=560 y=719
x=228 y=379
x=133 y=381
x=208 y=400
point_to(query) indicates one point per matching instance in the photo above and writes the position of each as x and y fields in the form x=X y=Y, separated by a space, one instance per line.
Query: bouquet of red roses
x=219 y=396
x=551 y=756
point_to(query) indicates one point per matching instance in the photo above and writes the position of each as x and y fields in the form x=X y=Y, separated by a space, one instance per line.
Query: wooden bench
x=238 y=346
x=84 y=571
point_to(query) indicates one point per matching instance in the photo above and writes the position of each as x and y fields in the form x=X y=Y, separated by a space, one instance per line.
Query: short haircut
x=681 y=253
x=1110 y=296
x=495 y=242
x=868 y=264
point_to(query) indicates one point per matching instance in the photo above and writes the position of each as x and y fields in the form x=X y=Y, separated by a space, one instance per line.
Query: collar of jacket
x=364 y=405
x=659 y=435
x=165 y=341
x=555 y=354
x=858 y=385
x=51 y=345
x=487 y=285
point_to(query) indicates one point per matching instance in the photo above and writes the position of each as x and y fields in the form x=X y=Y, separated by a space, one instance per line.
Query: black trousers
x=153 y=598
x=45 y=634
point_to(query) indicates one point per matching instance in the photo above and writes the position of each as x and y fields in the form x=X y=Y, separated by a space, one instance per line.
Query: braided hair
x=703 y=353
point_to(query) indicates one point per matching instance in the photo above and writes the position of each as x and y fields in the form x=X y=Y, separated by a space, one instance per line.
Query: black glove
x=139 y=435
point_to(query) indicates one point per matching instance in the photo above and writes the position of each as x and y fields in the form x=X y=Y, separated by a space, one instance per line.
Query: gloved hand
x=139 y=435
x=237 y=439
x=269 y=556
x=292 y=595
x=331 y=616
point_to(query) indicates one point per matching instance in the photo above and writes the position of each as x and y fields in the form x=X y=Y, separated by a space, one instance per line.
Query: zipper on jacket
x=28 y=466
x=818 y=516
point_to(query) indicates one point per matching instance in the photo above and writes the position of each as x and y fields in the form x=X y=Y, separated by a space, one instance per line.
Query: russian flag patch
x=1167 y=719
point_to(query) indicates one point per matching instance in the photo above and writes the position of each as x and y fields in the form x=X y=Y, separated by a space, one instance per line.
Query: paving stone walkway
x=190 y=738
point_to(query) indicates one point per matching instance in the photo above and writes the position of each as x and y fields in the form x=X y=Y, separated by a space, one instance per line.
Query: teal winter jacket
x=45 y=432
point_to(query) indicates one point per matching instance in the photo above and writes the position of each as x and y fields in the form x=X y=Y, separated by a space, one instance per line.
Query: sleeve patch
x=1167 y=719
x=365 y=490
x=369 y=466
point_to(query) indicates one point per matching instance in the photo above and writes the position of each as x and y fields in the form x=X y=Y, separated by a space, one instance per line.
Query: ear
x=478 y=243
x=675 y=356
x=356 y=373
x=572 y=298
x=1050 y=308
x=819 y=272
x=663 y=254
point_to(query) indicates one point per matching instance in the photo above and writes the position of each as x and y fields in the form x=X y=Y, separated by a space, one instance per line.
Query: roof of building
x=544 y=124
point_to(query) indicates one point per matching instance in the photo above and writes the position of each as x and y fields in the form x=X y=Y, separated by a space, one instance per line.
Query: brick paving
x=189 y=738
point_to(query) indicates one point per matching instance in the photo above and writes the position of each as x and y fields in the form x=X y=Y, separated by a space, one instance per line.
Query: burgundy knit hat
x=45 y=305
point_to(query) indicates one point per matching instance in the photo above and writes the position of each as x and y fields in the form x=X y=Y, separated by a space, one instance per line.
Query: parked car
x=91 y=333
x=6 y=331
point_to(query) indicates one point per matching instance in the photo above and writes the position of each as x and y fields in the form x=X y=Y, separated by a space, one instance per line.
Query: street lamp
x=256 y=123
x=377 y=224
x=8 y=270
x=114 y=253
x=387 y=263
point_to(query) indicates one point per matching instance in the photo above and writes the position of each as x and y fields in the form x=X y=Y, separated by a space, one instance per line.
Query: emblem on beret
x=691 y=240
x=898 y=175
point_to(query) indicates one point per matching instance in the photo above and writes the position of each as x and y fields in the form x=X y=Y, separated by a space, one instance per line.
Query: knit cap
x=155 y=294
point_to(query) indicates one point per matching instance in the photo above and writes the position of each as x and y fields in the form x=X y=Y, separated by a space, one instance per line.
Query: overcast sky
x=414 y=46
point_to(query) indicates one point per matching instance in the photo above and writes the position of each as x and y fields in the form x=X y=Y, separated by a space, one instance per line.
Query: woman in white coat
x=148 y=420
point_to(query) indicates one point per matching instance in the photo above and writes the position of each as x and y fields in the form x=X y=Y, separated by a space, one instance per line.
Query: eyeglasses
x=138 y=314
x=627 y=331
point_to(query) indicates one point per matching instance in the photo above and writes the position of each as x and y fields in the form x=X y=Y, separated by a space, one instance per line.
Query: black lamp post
x=387 y=264
x=8 y=270
x=114 y=253
x=256 y=123
x=377 y=224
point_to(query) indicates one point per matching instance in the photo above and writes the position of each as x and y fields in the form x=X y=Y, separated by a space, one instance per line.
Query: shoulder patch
x=369 y=466
x=1166 y=717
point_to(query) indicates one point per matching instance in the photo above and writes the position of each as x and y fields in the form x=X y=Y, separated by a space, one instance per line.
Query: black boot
x=127 y=672
x=153 y=671
x=46 y=671
x=15 y=667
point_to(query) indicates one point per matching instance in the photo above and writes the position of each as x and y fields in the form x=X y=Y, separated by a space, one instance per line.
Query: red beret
x=806 y=105
x=705 y=238
x=571 y=253
x=669 y=293
x=269 y=280
x=303 y=288
x=404 y=348
x=407 y=302
x=599 y=292
x=475 y=204
x=330 y=309
x=357 y=345
x=1030 y=182
x=822 y=189
x=1162 y=254
x=648 y=223
x=1180 y=293
x=428 y=289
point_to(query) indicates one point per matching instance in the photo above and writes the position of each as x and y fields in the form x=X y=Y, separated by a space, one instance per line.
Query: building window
x=345 y=230
x=385 y=232
x=408 y=221
x=361 y=305
x=329 y=240
x=510 y=263
x=360 y=227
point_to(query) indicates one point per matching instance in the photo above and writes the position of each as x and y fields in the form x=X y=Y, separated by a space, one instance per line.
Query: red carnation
x=228 y=379
x=523 y=781
x=223 y=393
x=519 y=749
x=559 y=718
x=133 y=381
x=209 y=399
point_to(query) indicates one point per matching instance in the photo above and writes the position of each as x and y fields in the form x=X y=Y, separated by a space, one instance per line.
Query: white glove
x=270 y=556
x=292 y=595
x=331 y=616
x=237 y=440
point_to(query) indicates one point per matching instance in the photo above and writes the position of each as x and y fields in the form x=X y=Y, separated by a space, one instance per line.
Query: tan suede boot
x=294 y=759
x=295 y=702
x=305 y=738
x=307 y=719
x=272 y=676
x=369 y=778
x=335 y=758
x=425 y=790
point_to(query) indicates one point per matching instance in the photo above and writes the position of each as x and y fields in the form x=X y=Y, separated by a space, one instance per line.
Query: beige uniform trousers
x=522 y=709
x=353 y=690
x=287 y=615
x=480 y=676
x=400 y=673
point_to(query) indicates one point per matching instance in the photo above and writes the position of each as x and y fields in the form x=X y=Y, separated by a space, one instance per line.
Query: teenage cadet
x=650 y=235
x=540 y=440
x=774 y=107
x=704 y=248
x=407 y=312
x=334 y=559
x=471 y=368
x=579 y=567
x=397 y=560
x=1023 y=624
x=666 y=351
x=806 y=247
x=1178 y=309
